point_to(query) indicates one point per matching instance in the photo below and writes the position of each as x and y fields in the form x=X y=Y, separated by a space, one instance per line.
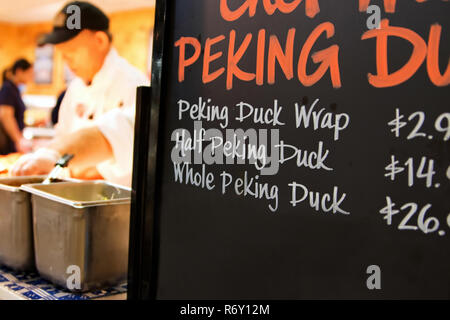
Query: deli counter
x=64 y=240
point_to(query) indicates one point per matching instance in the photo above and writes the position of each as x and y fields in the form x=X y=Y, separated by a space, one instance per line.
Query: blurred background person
x=55 y=111
x=12 y=107
x=4 y=139
x=6 y=75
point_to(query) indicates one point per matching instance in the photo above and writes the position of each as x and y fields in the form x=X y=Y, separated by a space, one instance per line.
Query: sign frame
x=144 y=224
x=147 y=175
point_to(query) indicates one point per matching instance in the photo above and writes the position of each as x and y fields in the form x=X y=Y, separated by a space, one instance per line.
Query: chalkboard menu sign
x=297 y=150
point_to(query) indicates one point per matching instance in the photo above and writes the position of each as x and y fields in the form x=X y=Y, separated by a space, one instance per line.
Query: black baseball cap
x=67 y=25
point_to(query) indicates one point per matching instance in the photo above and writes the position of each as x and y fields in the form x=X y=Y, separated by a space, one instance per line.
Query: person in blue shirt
x=12 y=108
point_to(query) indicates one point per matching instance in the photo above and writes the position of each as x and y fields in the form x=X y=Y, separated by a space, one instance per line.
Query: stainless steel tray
x=16 y=231
x=81 y=228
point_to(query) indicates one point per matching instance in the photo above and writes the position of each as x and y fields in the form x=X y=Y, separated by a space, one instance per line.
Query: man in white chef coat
x=96 y=118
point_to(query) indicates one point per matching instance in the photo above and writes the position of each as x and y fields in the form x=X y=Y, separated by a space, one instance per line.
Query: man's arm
x=88 y=146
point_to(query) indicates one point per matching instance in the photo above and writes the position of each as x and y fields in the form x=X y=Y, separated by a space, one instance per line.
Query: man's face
x=81 y=54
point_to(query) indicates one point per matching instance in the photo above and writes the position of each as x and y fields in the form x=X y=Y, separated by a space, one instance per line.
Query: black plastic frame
x=144 y=225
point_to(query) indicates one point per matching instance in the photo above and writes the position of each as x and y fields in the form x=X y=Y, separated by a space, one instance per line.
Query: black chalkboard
x=370 y=168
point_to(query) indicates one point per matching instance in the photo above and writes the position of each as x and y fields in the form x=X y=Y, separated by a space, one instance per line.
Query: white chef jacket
x=108 y=103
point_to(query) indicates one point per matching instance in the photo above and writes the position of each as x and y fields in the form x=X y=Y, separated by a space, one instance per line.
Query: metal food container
x=16 y=229
x=81 y=233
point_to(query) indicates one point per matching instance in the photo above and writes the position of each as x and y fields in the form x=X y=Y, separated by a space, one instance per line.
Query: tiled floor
x=29 y=286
